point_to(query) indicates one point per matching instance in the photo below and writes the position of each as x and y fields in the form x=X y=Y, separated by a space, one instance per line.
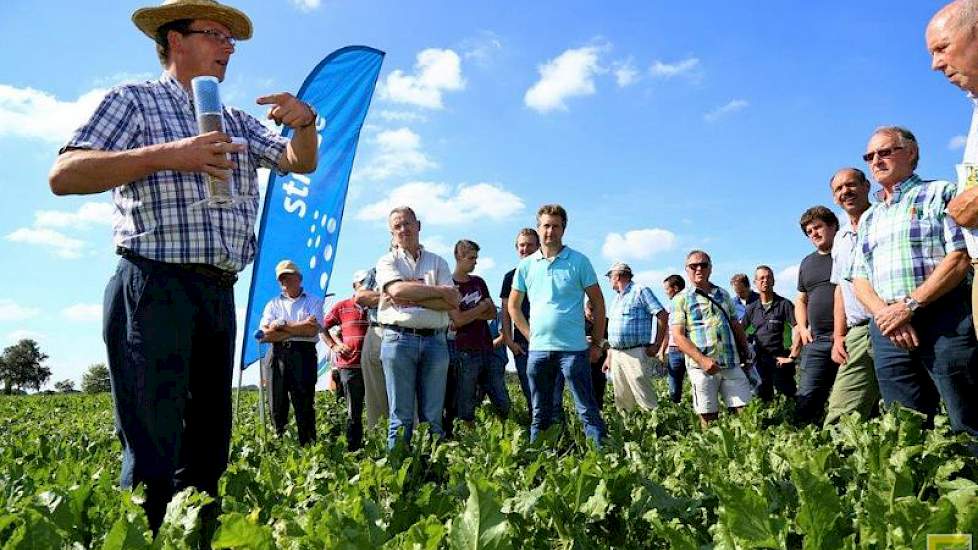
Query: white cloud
x=439 y=204
x=625 y=73
x=568 y=75
x=83 y=313
x=786 y=281
x=435 y=72
x=639 y=244
x=730 y=107
x=481 y=48
x=62 y=245
x=88 y=214
x=484 y=264
x=437 y=244
x=35 y=114
x=12 y=311
x=398 y=154
x=686 y=67
x=401 y=116
x=957 y=142
x=306 y=5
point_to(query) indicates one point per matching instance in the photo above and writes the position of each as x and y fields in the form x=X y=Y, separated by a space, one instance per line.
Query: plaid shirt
x=153 y=217
x=631 y=315
x=900 y=243
x=706 y=326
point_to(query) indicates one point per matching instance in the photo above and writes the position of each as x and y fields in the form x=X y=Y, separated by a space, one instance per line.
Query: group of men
x=882 y=306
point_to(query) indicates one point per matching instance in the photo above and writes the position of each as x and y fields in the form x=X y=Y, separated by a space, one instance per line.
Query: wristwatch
x=315 y=116
x=912 y=305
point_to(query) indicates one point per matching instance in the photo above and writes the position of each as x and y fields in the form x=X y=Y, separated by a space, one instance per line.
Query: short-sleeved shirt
x=499 y=352
x=901 y=242
x=153 y=216
x=473 y=336
x=705 y=325
x=504 y=295
x=429 y=269
x=631 y=316
x=768 y=323
x=843 y=256
x=555 y=288
x=298 y=309
x=814 y=279
x=353 y=322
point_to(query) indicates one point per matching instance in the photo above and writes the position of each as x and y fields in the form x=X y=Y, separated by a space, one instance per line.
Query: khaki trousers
x=374 y=384
x=855 y=388
x=632 y=373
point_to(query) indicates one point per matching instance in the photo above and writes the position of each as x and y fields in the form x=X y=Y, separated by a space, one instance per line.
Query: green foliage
x=96 y=379
x=22 y=366
x=750 y=481
x=65 y=386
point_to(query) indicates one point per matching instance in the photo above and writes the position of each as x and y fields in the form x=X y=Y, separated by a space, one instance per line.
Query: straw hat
x=150 y=19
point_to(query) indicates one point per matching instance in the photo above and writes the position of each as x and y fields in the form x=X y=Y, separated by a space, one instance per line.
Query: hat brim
x=150 y=19
x=285 y=271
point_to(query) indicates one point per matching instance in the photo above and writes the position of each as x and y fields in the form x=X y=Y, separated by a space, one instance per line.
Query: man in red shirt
x=353 y=322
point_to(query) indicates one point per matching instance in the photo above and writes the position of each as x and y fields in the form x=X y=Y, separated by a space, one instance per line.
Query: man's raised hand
x=286 y=109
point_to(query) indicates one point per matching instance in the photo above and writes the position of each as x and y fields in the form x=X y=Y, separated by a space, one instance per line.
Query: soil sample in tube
x=210 y=118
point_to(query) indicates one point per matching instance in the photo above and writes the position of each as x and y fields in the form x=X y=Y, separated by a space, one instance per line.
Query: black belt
x=211 y=273
x=373 y=324
x=296 y=344
x=862 y=323
x=414 y=331
x=630 y=347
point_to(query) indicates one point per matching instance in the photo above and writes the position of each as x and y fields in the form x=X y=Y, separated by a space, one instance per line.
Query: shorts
x=730 y=384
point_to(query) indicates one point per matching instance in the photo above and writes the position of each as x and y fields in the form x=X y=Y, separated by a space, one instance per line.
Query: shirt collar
x=172 y=84
x=538 y=255
x=627 y=288
x=899 y=189
x=302 y=294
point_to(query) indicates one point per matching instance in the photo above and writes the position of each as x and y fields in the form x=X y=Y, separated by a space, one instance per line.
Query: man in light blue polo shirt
x=555 y=280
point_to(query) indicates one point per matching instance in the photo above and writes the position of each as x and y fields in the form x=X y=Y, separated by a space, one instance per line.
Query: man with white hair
x=910 y=274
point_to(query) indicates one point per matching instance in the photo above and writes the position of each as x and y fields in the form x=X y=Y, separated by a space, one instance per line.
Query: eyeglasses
x=883 y=153
x=216 y=36
x=698 y=265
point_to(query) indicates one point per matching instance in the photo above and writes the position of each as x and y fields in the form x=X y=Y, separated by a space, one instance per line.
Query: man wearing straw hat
x=169 y=317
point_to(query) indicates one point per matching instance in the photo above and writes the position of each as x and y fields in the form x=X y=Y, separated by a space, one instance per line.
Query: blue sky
x=660 y=126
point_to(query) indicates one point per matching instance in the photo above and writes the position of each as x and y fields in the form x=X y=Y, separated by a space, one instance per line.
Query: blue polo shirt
x=555 y=289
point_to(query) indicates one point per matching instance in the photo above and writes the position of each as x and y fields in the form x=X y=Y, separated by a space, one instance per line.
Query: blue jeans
x=945 y=365
x=473 y=366
x=169 y=336
x=818 y=372
x=415 y=368
x=543 y=369
x=677 y=373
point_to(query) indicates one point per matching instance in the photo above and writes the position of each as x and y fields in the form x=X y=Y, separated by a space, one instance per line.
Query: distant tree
x=21 y=366
x=96 y=379
x=65 y=386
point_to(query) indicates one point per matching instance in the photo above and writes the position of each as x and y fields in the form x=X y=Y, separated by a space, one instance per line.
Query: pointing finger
x=273 y=98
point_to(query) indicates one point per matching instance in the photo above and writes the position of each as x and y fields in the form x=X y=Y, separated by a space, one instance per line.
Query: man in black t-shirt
x=814 y=311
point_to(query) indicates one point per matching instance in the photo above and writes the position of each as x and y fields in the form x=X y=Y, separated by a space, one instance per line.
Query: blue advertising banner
x=303 y=212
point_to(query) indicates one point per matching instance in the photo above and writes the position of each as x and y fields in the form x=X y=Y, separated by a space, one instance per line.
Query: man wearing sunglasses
x=909 y=272
x=169 y=321
x=704 y=327
x=951 y=37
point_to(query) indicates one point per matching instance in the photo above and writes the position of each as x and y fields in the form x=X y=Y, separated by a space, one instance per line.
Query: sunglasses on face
x=885 y=152
x=698 y=265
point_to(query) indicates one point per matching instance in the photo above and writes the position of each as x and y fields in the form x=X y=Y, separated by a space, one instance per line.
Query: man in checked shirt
x=910 y=273
x=169 y=322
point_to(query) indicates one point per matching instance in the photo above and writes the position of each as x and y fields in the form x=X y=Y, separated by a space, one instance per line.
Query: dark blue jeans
x=677 y=373
x=543 y=368
x=473 y=365
x=558 y=401
x=169 y=334
x=944 y=366
x=817 y=377
x=774 y=377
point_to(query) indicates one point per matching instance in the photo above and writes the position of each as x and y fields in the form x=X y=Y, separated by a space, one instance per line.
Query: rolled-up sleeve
x=387 y=273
